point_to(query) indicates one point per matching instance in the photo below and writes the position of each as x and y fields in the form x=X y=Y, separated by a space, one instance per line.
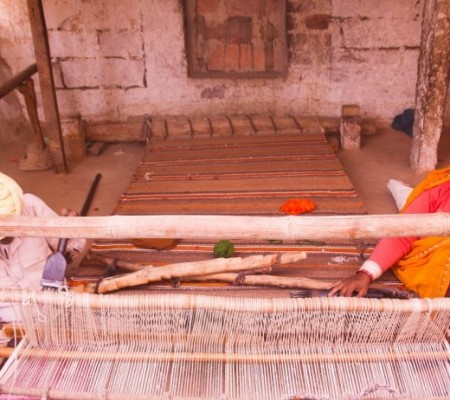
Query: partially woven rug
x=242 y=175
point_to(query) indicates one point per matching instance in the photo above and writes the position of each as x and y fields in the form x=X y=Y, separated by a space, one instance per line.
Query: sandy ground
x=382 y=156
x=116 y=165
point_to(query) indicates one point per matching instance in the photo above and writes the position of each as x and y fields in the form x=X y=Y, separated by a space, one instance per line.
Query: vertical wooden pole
x=432 y=84
x=49 y=101
x=29 y=95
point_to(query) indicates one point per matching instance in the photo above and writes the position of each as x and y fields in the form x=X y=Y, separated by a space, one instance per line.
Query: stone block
x=350 y=110
x=231 y=58
x=178 y=126
x=157 y=127
x=286 y=125
x=259 y=58
x=65 y=44
x=263 y=124
x=318 y=21
x=350 y=133
x=221 y=126
x=57 y=77
x=241 y=125
x=242 y=8
x=123 y=15
x=246 y=58
x=113 y=131
x=58 y=11
x=383 y=32
x=73 y=130
x=200 y=127
x=215 y=55
x=309 y=125
x=103 y=72
x=93 y=105
x=121 y=44
x=207 y=6
x=379 y=10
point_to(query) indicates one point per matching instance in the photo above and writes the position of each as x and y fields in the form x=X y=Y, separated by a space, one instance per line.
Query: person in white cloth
x=22 y=259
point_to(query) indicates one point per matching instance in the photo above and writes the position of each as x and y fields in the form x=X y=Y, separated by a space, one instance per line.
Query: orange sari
x=426 y=269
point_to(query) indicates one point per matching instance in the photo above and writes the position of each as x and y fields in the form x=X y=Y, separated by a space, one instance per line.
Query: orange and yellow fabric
x=426 y=269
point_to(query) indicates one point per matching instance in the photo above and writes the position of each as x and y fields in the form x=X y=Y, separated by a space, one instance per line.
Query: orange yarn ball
x=297 y=206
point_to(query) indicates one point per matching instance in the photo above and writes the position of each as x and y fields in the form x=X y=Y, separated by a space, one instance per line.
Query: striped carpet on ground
x=242 y=175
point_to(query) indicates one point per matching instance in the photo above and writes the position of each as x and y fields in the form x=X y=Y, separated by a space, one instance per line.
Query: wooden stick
x=205 y=267
x=229 y=226
x=265 y=280
x=120 y=263
x=17 y=80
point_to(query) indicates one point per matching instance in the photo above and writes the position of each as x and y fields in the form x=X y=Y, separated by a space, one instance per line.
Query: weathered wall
x=13 y=121
x=114 y=59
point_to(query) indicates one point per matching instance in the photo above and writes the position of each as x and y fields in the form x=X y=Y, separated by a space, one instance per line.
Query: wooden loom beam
x=232 y=227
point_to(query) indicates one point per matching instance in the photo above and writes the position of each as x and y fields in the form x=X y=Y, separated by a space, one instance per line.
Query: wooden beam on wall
x=433 y=78
x=49 y=101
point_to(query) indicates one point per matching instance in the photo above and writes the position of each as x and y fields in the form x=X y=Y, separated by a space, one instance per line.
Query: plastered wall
x=116 y=59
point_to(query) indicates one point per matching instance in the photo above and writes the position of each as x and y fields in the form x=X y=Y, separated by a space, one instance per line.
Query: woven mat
x=244 y=175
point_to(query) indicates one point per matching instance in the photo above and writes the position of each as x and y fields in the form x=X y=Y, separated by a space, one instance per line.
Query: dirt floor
x=382 y=156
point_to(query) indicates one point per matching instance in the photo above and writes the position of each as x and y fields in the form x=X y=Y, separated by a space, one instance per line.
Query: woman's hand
x=357 y=284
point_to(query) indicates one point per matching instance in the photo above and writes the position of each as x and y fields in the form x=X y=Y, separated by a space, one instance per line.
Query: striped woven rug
x=242 y=175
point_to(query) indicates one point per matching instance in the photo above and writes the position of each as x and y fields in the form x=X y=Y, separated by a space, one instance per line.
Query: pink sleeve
x=389 y=250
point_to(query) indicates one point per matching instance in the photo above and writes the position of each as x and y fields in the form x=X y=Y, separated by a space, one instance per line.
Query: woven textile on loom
x=243 y=175
x=156 y=346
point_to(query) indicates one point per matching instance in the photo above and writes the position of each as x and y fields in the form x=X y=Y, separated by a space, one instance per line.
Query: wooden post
x=29 y=95
x=350 y=128
x=49 y=101
x=432 y=84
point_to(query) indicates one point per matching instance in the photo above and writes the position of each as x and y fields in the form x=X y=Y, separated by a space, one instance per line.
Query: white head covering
x=11 y=197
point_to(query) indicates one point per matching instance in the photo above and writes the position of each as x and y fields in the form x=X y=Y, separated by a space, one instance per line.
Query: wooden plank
x=432 y=84
x=17 y=80
x=49 y=101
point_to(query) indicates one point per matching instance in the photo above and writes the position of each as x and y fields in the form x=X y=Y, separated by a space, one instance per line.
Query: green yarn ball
x=223 y=248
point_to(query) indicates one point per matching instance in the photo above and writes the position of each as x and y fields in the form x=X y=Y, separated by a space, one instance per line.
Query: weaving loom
x=199 y=347
x=232 y=345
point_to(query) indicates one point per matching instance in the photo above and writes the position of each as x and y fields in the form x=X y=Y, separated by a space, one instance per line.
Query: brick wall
x=115 y=59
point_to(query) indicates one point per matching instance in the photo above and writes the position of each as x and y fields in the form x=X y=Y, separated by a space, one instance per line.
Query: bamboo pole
x=231 y=227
